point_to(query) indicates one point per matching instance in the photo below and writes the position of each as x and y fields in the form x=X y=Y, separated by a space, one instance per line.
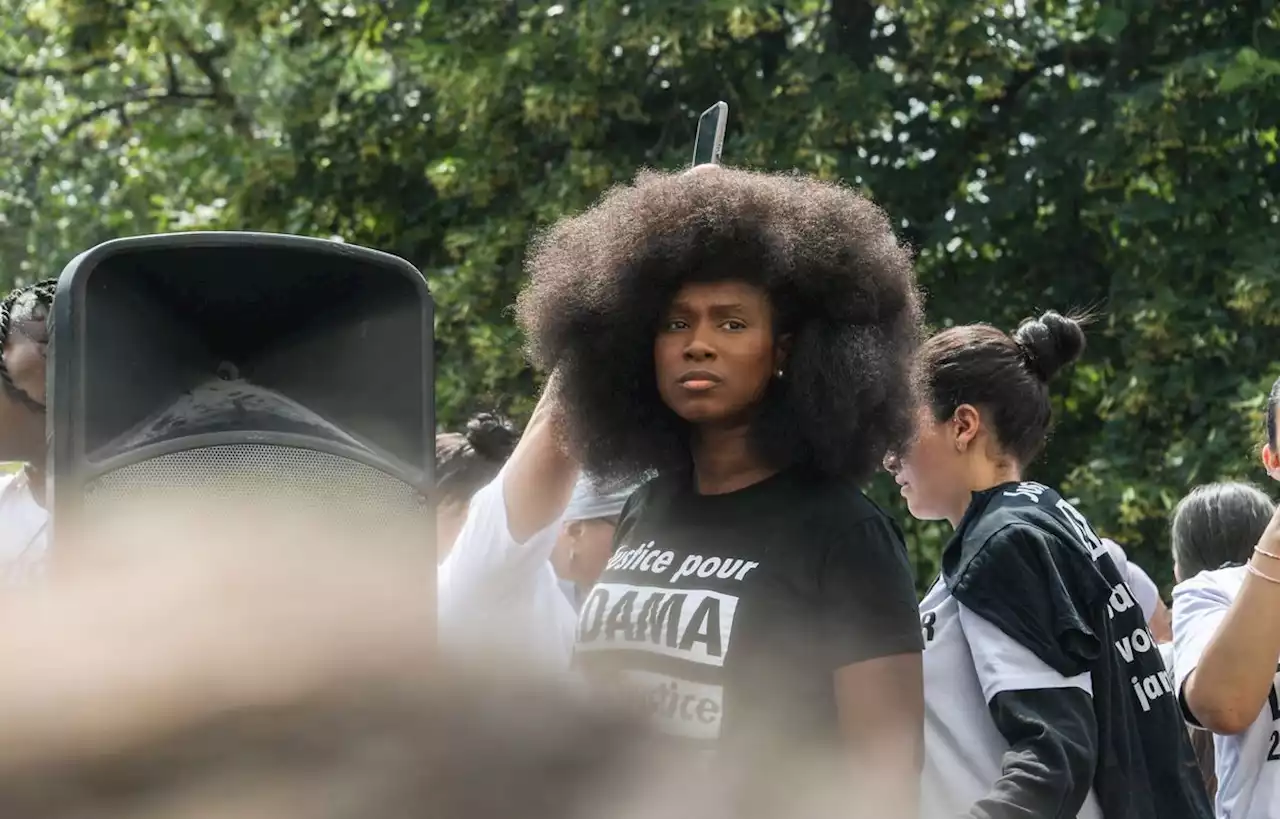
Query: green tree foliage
x=1119 y=156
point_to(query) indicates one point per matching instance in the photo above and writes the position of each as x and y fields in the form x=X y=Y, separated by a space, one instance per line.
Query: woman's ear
x=1271 y=461
x=781 y=349
x=966 y=421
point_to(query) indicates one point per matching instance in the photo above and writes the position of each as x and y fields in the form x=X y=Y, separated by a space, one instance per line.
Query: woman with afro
x=748 y=338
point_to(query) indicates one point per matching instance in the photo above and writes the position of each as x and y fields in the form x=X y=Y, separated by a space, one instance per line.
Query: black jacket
x=1027 y=561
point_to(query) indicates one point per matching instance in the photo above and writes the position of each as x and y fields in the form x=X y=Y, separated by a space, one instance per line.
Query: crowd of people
x=680 y=533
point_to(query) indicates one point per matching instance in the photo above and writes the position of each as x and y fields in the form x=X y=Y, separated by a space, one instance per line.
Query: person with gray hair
x=1217 y=525
x=586 y=537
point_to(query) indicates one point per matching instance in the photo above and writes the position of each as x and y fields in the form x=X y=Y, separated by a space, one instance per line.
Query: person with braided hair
x=24 y=341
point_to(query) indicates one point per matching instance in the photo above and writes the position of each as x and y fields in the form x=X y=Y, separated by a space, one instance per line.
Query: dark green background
x=1119 y=156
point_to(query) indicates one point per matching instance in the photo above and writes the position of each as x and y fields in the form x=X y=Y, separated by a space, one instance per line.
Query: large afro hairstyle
x=840 y=283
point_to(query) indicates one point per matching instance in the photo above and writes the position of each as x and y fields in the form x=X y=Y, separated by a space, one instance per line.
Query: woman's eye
x=675 y=324
x=734 y=324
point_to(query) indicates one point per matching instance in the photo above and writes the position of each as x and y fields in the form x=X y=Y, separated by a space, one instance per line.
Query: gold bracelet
x=1265 y=553
x=1249 y=567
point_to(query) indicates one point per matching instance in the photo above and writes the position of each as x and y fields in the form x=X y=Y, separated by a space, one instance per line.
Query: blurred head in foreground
x=258 y=668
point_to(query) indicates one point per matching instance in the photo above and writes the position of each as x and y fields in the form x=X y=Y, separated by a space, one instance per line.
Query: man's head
x=586 y=538
x=24 y=342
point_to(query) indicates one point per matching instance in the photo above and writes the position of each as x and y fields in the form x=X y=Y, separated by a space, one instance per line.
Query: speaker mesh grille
x=301 y=479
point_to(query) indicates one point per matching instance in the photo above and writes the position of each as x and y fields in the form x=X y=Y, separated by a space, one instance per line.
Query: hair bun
x=1049 y=343
x=492 y=436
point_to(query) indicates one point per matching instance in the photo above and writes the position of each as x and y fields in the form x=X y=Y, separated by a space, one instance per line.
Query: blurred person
x=1226 y=625
x=24 y=342
x=585 y=543
x=466 y=461
x=1044 y=692
x=748 y=337
x=1214 y=529
x=1145 y=592
x=276 y=668
x=499 y=598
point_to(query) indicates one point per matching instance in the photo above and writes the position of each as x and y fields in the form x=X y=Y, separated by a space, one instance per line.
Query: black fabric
x=1028 y=562
x=1053 y=749
x=806 y=576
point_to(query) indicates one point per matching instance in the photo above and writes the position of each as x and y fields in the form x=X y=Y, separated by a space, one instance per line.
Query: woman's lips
x=698 y=384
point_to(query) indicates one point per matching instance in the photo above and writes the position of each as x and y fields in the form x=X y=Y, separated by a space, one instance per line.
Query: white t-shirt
x=501 y=599
x=1248 y=782
x=23 y=532
x=967 y=661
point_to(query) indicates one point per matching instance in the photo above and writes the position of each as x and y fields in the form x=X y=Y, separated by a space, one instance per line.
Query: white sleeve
x=1144 y=590
x=486 y=562
x=1004 y=664
x=1199 y=604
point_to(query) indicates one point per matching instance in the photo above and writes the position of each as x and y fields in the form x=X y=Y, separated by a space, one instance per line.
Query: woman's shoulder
x=846 y=502
x=1019 y=510
x=1213 y=584
x=804 y=498
x=835 y=512
x=1027 y=525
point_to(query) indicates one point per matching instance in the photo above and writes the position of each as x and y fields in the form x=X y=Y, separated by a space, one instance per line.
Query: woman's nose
x=699 y=350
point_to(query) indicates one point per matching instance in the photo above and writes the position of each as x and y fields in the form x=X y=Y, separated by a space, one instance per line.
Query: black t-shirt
x=1026 y=560
x=725 y=616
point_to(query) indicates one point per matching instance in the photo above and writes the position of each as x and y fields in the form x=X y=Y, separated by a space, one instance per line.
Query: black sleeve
x=867 y=595
x=1048 y=769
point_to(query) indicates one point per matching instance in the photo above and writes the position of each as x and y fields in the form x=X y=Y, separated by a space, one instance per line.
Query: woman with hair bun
x=1045 y=694
x=466 y=461
x=748 y=337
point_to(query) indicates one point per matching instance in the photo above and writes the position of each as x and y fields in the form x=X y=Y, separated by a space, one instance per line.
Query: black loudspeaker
x=242 y=365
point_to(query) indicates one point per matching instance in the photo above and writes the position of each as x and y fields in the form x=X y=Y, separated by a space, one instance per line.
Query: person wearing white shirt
x=1214 y=531
x=498 y=598
x=521 y=598
x=585 y=543
x=24 y=341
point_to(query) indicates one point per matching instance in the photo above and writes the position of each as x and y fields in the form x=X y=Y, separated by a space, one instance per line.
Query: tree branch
x=992 y=125
x=142 y=96
x=57 y=73
x=171 y=68
x=206 y=62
